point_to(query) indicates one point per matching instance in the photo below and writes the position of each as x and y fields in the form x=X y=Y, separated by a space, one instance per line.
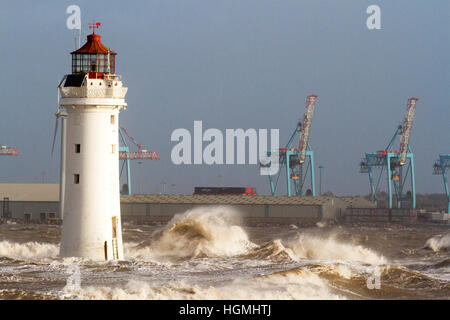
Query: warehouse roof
x=50 y=193
x=231 y=200
x=29 y=191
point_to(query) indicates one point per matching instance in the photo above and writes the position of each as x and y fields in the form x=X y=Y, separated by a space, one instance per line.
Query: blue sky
x=237 y=64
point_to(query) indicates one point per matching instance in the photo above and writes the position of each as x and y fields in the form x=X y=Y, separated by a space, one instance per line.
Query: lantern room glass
x=85 y=63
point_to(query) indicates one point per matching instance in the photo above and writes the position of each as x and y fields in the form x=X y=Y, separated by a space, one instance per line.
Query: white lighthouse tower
x=92 y=96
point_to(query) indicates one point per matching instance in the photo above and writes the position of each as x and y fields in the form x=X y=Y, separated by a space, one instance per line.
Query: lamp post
x=320 y=180
x=140 y=176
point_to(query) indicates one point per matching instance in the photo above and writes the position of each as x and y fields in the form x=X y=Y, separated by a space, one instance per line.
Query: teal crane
x=441 y=166
x=399 y=164
x=297 y=162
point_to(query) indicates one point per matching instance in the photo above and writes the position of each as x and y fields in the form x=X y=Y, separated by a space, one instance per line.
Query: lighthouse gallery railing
x=86 y=92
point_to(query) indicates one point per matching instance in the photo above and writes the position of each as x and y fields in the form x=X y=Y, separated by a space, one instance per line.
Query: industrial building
x=304 y=208
x=40 y=201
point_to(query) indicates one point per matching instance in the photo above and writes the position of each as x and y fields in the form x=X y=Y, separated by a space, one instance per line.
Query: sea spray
x=296 y=264
x=307 y=246
x=208 y=231
x=296 y=285
x=28 y=250
x=214 y=231
x=439 y=242
x=274 y=251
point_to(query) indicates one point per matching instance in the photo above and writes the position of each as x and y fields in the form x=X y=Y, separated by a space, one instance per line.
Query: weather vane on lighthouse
x=94 y=25
x=91 y=98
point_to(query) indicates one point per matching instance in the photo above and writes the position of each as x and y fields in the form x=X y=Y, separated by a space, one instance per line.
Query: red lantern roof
x=93 y=46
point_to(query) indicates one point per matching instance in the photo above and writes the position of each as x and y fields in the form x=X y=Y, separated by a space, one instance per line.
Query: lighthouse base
x=95 y=248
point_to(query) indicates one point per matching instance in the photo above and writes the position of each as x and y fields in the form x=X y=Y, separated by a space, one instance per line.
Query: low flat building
x=40 y=201
x=314 y=208
x=36 y=201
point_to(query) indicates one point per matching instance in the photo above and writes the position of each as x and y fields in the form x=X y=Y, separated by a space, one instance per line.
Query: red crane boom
x=406 y=129
x=306 y=126
x=9 y=151
x=140 y=154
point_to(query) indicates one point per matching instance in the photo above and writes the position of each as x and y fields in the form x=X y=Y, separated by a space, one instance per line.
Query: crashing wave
x=200 y=232
x=439 y=242
x=282 y=286
x=313 y=247
x=28 y=250
x=274 y=251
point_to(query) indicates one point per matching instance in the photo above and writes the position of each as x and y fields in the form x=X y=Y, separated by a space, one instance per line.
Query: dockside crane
x=297 y=162
x=441 y=166
x=399 y=164
x=126 y=155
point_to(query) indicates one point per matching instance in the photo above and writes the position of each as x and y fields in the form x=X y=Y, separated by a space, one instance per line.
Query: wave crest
x=28 y=250
x=200 y=232
x=274 y=251
x=285 y=286
x=439 y=242
x=313 y=247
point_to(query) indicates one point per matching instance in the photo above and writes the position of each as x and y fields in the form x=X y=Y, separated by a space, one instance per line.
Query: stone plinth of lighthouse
x=92 y=96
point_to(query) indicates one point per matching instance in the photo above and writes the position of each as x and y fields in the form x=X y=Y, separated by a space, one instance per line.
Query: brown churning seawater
x=210 y=253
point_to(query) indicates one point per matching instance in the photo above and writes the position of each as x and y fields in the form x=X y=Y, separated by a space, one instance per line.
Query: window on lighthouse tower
x=93 y=61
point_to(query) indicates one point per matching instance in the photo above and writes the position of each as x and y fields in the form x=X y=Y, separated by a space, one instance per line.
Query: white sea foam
x=28 y=250
x=200 y=232
x=439 y=242
x=313 y=247
x=215 y=232
x=296 y=284
x=308 y=247
x=133 y=230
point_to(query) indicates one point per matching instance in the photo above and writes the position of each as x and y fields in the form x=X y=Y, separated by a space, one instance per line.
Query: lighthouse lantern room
x=93 y=58
x=91 y=98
